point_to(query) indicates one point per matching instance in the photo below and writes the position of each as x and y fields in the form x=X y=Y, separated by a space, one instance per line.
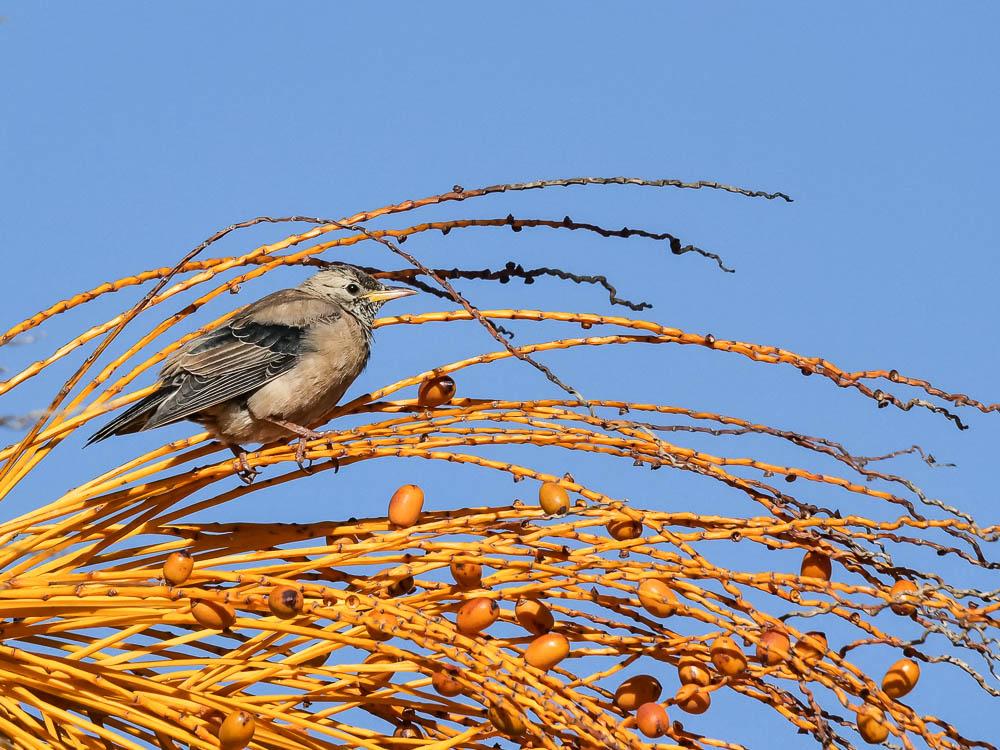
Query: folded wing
x=231 y=361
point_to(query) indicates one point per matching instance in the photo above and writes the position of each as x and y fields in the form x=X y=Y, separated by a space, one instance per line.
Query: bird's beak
x=390 y=293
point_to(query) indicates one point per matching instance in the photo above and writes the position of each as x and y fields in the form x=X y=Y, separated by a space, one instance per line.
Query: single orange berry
x=405 y=506
x=811 y=647
x=773 y=648
x=547 y=650
x=445 y=681
x=871 y=725
x=693 y=699
x=635 y=691
x=651 y=719
x=476 y=615
x=657 y=598
x=905 y=590
x=507 y=719
x=901 y=678
x=816 y=565
x=285 y=602
x=690 y=671
x=213 y=615
x=177 y=567
x=468 y=575
x=624 y=529
x=727 y=657
x=369 y=682
x=553 y=498
x=401 y=587
x=408 y=730
x=380 y=625
x=534 y=616
x=436 y=391
x=237 y=730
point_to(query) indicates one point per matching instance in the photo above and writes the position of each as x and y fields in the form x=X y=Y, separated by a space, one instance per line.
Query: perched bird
x=272 y=372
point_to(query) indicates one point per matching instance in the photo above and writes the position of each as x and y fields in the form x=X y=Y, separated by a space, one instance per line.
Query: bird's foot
x=244 y=470
x=306 y=463
x=300 y=456
x=304 y=434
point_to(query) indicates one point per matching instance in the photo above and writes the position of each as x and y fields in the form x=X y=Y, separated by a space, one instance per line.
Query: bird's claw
x=335 y=460
x=247 y=476
x=300 y=456
x=245 y=471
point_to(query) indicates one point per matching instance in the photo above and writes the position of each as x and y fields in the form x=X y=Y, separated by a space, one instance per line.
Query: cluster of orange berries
x=237 y=729
x=480 y=612
x=639 y=694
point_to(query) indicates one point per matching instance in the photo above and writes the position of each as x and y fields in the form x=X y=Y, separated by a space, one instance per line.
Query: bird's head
x=354 y=290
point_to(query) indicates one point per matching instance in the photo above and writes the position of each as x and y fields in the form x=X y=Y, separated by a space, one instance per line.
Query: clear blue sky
x=131 y=131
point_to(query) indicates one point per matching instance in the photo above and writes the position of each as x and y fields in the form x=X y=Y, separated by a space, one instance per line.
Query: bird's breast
x=335 y=355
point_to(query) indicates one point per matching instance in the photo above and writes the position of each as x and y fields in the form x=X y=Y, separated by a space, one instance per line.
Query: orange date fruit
x=285 y=602
x=405 y=506
x=652 y=720
x=773 y=648
x=903 y=589
x=727 y=657
x=476 y=615
x=468 y=575
x=872 y=726
x=177 y=567
x=534 y=616
x=635 y=691
x=547 y=650
x=624 y=529
x=553 y=498
x=435 y=392
x=657 y=597
x=816 y=565
x=237 y=730
x=213 y=615
x=901 y=678
x=693 y=699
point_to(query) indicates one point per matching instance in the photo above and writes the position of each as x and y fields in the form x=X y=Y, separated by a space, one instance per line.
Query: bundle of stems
x=355 y=632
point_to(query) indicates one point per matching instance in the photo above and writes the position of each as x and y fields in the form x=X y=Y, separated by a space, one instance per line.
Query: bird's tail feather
x=132 y=419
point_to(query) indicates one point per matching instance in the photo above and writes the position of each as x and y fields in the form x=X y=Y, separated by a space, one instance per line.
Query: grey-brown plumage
x=272 y=372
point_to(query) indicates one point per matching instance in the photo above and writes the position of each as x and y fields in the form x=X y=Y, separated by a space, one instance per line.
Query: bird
x=273 y=371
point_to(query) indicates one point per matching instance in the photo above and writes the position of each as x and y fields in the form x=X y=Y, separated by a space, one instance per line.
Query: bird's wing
x=239 y=356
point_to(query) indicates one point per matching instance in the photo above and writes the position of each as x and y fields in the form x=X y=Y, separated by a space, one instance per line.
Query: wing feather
x=197 y=393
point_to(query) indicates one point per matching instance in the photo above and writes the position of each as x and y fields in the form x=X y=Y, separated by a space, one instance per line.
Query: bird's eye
x=353 y=289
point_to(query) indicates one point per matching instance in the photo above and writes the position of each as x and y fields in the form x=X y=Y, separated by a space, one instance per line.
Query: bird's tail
x=132 y=419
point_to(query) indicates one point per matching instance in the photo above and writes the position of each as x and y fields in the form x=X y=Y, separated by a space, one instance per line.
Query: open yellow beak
x=390 y=293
